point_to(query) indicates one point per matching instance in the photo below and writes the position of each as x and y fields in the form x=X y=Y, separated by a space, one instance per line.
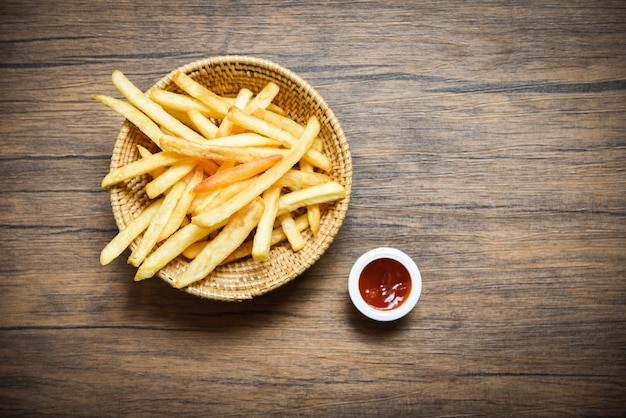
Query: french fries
x=227 y=241
x=136 y=117
x=123 y=239
x=231 y=178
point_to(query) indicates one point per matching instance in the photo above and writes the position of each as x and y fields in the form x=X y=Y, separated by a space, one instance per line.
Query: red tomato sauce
x=385 y=283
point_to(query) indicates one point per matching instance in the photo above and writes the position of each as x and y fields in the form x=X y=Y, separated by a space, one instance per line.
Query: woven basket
x=246 y=278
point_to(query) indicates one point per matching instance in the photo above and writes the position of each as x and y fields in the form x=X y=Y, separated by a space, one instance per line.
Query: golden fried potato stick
x=254 y=124
x=228 y=164
x=140 y=167
x=145 y=153
x=322 y=193
x=263 y=99
x=263 y=235
x=214 y=102
x=126 y=236
x=237 y=173
x=262 y=127
x=207 y=128
x=151 y=236
x=264 y=181
x=242 y=99
x=227 y=241
x=313 y=211
x=291 y=231
x=169 y=177
x=285 y=123
x=180 y=103
x=209 y=166
x=216 y=152
x=245 y=139
x=134 y=115
x=300 y=179
x=152 y=109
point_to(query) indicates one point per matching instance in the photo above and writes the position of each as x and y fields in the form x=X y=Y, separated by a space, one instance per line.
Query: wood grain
x=488 y=142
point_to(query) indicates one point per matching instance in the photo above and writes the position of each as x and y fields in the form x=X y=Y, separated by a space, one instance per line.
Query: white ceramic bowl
x=380 y=314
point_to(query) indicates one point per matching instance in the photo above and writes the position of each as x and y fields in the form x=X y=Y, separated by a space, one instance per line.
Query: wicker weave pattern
x=246 y=278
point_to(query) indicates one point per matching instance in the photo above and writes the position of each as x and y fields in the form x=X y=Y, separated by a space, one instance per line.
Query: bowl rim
x=378 y=314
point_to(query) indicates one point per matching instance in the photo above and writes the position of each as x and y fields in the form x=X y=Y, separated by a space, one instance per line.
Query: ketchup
x=385 y=283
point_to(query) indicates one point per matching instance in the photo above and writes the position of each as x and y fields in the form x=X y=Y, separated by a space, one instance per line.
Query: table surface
x=488 y=142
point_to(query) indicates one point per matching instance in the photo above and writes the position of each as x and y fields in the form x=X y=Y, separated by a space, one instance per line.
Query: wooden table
x=488 y=142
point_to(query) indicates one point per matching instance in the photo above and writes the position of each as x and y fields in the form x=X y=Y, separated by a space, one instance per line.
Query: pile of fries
x=232 y=177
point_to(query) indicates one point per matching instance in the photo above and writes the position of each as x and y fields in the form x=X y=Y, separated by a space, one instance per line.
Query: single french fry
x=291 y=231
x=227 y=241
x=313 y=211
x=183 y=118
x=181 y=103
x=278 y=236
x=152 y=109
x=263 y=234
x=134 y=115
x=171 y=176
x=215 y=152
x=226 y=165
x=260 y=126
x=200 y=201
x=237 y=173
x=300 y=179
x=264 y=181
x=145 y=153
x=126 y=236
x=194 y=249
x=283 y=122
x=263 y=98
x=288 y=125
x=314 y=214
x=242 y=99
x=207 y=128
x=140 y=167
x=209 y=166
x=182 y=207
x=276 y=109
x=322 y=193
x=151 y=236
x=214 y=102
x=170 y=249
x=245 y=139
